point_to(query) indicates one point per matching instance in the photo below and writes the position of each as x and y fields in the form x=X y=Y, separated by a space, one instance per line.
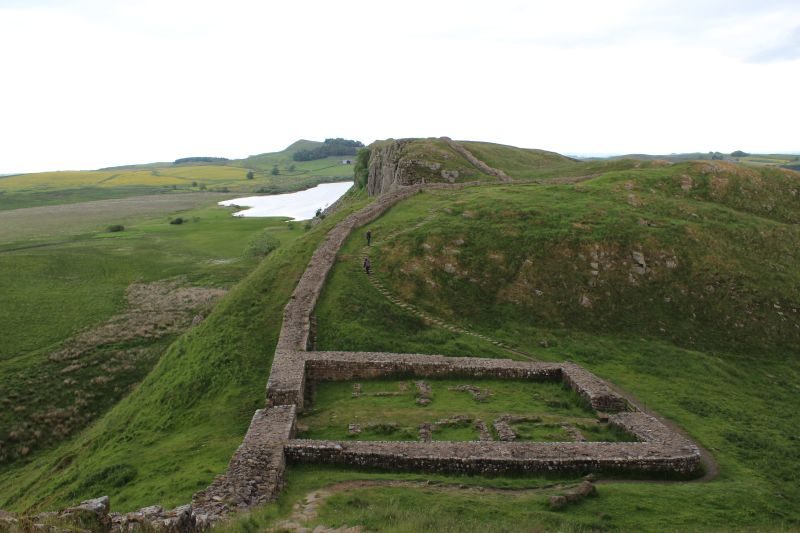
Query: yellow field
x=105 y=178
x=54 y=180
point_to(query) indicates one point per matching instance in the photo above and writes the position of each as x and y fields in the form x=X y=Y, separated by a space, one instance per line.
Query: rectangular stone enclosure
x=658 y=450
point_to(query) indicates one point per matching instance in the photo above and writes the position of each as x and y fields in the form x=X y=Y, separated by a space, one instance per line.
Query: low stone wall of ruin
x=476 y=457
x=592 y=389
x=291 y=370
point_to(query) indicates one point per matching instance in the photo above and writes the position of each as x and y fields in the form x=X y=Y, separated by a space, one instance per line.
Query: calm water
x=299 y=205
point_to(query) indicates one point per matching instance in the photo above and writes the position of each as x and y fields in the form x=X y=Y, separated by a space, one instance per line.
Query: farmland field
x=43 y=223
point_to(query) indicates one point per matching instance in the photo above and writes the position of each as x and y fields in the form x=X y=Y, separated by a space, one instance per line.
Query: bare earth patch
x=154 y=310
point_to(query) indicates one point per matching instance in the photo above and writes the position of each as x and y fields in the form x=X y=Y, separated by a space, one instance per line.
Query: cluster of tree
x=201 y=160
x=739 y=153
x=330 y=147
x=716 y=156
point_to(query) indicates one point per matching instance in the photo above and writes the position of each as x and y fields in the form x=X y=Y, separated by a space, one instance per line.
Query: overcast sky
x=90 y=83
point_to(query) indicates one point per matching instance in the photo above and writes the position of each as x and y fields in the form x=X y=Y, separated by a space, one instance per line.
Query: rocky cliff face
x=387 y=169
x=395 y=163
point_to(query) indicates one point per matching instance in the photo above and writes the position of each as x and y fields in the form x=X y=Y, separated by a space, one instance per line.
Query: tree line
x=330 y=147
x=201 y=160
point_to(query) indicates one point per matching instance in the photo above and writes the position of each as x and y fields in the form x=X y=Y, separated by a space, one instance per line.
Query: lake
x=300 y=205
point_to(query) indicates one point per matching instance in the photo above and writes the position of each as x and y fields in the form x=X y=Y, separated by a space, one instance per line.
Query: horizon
x=577 y=154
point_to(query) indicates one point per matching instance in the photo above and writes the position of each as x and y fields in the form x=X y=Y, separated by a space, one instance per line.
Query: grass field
x=75 y=277
x=176 y=430
x=35 y=225
x=771 y=159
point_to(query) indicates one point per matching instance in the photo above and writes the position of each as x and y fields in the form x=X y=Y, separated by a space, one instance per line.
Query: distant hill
x=785 y=160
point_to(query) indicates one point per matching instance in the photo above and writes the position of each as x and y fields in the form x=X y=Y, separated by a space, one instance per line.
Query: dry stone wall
x=478 y=457
x=291 y=370
x=480 y=165
x=293 y=367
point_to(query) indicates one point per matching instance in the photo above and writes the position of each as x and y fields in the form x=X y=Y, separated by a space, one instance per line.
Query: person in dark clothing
x=369 y=237
x=367 y=265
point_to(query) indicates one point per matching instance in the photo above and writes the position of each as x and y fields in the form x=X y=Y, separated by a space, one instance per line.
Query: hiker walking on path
x=369 y=237
x=367 y=265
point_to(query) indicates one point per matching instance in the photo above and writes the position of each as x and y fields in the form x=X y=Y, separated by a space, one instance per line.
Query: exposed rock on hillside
x=396 y=163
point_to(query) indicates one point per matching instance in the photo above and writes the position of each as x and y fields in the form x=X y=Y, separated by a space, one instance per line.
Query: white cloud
x=91 y=83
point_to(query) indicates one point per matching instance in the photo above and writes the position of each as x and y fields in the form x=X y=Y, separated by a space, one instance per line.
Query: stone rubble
x=483 y=431
x=480 y=395
x=504 y=430
x=423 y=393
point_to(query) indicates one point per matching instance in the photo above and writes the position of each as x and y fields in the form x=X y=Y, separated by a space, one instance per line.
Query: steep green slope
x=612 y=254
x=75 y=286
x=179 y=427
x=703 y=327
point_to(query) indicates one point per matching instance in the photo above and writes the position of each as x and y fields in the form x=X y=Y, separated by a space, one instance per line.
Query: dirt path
x=307 y=510
x=427 y=317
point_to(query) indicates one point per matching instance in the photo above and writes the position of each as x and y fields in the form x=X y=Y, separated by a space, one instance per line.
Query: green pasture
x=172 y=433
x=55 y=288
x=387 y=410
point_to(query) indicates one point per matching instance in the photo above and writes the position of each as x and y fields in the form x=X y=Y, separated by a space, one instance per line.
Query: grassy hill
x=686 y=298
x=778 y=160
x=676 y=282
x=177 y=429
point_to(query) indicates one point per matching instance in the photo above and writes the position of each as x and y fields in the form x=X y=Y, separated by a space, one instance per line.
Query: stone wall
x=660 y=451
x=480 y=165
x=594 y=390
x=291 y=370
x=255 y=472
x=294 y=333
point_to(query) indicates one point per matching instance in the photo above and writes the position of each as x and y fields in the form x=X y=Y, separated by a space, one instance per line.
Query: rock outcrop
x=395 y=164
x=388 y=170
